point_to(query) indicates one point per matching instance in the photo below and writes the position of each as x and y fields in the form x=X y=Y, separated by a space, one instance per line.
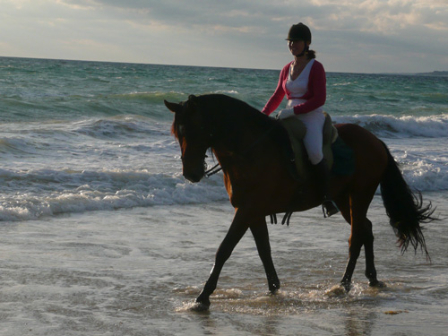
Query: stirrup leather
x=329 y=208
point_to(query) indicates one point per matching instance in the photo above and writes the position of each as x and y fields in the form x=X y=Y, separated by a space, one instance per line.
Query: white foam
x=132 y=161
x=46 y=193
x=405 y=126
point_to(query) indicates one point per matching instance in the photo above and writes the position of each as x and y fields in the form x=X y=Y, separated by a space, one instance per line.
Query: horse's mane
x=231 y=118
x=232 y=115
x=236 y=109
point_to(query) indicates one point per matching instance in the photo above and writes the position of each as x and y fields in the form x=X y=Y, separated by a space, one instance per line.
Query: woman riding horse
x=247 y=144
x=304 y=83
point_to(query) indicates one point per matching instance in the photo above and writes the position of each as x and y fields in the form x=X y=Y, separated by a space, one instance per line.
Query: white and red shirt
x=307 y=92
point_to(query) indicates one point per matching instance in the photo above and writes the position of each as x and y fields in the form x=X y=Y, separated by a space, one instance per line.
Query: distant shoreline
x=434 y=73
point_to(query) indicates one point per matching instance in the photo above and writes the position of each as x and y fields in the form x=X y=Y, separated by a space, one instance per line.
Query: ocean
x=102 y=235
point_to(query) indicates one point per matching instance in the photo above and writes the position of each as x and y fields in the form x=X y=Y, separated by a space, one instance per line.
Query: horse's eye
x=181 y=130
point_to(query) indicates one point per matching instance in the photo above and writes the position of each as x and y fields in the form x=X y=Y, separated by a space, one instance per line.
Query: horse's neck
x=238 y=138
x=238 y=132
x=240 y=146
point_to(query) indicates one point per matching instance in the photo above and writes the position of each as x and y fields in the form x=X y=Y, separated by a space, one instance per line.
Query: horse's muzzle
x=193 y=173
x=193 y=169
x=194 y=177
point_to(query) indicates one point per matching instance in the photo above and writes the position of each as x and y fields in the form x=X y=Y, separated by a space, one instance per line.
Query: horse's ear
x=173 y=107
x=192 y=101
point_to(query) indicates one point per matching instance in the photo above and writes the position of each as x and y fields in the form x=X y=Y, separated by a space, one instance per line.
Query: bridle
x=217 y=168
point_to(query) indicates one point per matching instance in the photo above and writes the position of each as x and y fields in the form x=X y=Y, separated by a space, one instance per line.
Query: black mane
x=226 y=115
x=235 y=109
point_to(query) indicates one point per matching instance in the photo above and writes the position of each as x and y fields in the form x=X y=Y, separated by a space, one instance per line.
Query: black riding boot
x=329 y=208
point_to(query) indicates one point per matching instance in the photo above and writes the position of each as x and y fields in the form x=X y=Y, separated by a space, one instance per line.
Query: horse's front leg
x=236 y=232
x=260 y=232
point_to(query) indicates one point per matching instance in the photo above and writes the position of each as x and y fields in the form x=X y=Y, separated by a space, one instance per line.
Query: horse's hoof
x=274 y=289
x=347 y=286
x=336 y=290
x=200 y=307
x=272 y=292
x=377 y=284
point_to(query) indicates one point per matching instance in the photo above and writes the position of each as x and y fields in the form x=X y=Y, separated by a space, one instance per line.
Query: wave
x=45 y=138
x=160 y=96
x=40 y=193
x=435 y=126
x=121 y=127
x=16 y=146
x=152 y=97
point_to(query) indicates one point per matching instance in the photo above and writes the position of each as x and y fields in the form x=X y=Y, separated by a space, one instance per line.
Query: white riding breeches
x=314 y=123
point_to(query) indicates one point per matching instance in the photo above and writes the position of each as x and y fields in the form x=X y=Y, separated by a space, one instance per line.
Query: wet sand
x=136 y=272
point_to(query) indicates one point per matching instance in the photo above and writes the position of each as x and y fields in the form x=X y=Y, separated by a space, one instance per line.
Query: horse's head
x=194 y=138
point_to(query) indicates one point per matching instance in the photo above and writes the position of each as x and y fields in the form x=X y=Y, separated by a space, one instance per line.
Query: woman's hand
x=286 y=113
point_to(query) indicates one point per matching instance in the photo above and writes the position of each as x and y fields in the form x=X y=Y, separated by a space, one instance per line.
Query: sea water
x=101 y=234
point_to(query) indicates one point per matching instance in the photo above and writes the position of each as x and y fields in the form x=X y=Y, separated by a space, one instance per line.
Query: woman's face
x=296 y=46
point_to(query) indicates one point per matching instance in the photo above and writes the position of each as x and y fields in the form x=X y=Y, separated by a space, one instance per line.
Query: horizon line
x=434 y=72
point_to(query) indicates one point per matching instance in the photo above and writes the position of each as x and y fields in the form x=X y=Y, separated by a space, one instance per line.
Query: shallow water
x=137 y=272
x=101 y=235
x=85 y=136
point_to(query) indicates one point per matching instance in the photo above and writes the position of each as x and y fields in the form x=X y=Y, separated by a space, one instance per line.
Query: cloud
x=356 y=35
x=391 y=17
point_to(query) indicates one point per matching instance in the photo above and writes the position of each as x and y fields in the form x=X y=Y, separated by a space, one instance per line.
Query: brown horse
x=248 y=146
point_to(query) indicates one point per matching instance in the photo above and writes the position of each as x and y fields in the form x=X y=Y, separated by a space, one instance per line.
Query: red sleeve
x=279 y=93
x=317 y=90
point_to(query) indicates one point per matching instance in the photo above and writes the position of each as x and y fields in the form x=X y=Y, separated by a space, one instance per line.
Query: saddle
x=339 y=156
x=296 y=131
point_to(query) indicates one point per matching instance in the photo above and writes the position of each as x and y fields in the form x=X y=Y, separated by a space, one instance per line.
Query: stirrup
x=329 y=208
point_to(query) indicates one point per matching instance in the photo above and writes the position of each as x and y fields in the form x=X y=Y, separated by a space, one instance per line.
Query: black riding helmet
x=299 y=32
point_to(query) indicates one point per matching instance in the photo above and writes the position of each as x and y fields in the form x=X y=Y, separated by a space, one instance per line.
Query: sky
x=360 y=36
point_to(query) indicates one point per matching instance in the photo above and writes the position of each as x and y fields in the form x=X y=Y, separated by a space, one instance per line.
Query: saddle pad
x=343 y=158
x=296 y=131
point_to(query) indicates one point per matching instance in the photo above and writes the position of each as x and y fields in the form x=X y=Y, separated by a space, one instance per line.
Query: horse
x=248 y=146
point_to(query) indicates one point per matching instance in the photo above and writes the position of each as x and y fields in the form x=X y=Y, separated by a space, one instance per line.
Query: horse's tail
x=404 y=208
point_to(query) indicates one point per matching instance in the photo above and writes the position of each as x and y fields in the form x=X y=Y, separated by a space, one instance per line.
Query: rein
x=212 y=171
x=216 y=168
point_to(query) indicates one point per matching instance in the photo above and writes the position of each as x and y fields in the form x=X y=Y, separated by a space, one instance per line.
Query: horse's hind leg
x=368 y=247
x=261 y=235
x=370 y=264
x=361 y=234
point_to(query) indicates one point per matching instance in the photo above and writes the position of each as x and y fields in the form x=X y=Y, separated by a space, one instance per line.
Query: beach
x=137 y=271
x=102 y=235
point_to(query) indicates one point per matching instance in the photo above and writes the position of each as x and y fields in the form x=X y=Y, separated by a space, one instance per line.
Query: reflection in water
x=359 y=321
x=295 y=312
